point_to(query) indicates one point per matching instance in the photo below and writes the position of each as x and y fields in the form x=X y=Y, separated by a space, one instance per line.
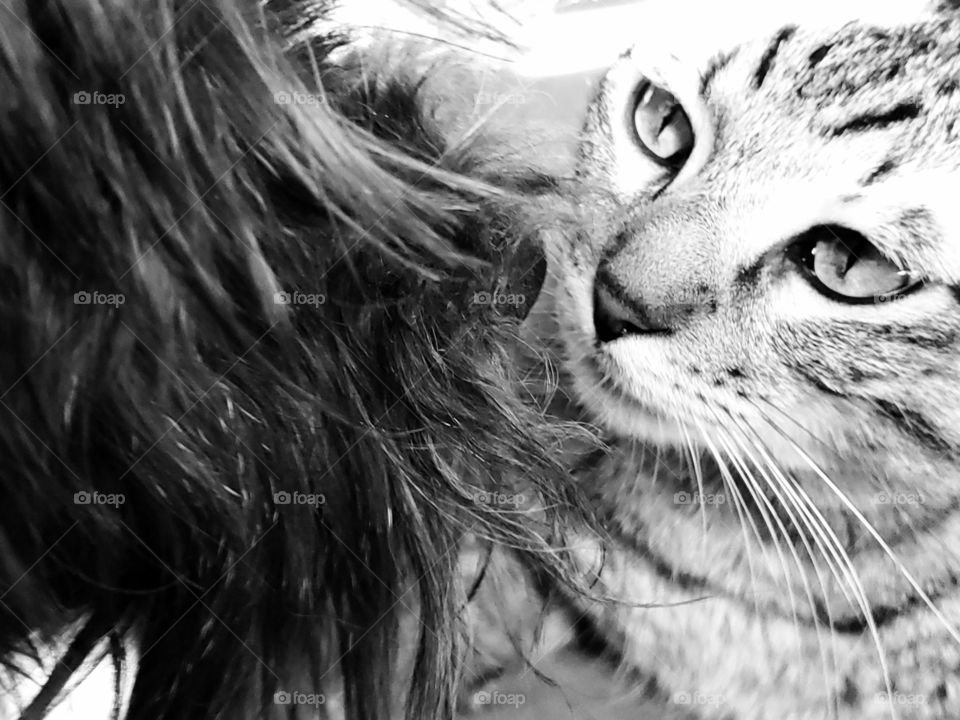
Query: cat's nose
x=616 y=315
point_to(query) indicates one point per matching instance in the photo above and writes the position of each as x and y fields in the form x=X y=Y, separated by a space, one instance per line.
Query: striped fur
x=812 y=429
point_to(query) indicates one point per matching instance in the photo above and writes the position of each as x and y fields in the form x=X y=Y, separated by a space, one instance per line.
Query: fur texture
x=785 y=473
x=293 y=317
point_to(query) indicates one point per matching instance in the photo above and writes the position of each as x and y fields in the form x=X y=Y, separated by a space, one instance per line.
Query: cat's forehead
x=894 y=47
x=808 y=69
x=784 y=88
x=837 y=66
x=835 y=104
x=858 y=81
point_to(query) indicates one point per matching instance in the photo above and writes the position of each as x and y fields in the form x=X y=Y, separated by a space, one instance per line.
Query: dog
x=252 y=383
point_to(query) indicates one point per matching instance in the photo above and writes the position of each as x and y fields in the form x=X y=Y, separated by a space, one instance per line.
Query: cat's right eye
x=661 y=126
x=845 y=266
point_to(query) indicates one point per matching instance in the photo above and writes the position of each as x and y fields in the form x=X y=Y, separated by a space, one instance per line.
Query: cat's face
x=772 y=264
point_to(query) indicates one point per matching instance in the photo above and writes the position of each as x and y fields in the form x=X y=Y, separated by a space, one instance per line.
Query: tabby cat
x=763 y=311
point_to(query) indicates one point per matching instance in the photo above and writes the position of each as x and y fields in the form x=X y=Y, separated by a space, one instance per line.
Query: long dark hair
x=247 y=396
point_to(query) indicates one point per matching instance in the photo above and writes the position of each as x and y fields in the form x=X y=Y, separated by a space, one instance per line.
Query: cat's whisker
x=772 y=484
x=697 y=472
x=868 y=526
x=759 y=501
x=762 y=502
x=744 y=518
x=815 y=519
x=809 y=519
x=746 y=443
x=792 y=420
x=656 y=461
x=863 y=601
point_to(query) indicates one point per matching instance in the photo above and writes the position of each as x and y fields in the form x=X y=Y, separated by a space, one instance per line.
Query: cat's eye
x=661 y=126
x=845 y=266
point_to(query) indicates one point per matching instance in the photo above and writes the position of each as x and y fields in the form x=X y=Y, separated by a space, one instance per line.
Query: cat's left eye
x=661 y=126
x=845 y=266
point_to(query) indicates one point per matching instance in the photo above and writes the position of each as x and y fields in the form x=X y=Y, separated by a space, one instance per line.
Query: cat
x=760 y=308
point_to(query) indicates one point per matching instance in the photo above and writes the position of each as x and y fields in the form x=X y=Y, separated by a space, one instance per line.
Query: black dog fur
x=200 y=398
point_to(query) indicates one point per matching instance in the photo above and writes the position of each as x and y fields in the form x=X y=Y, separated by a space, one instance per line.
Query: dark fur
x=199 y=397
